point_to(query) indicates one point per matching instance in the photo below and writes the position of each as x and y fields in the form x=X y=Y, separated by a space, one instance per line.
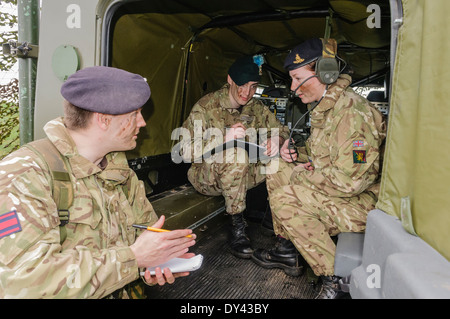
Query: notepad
x=179 y=265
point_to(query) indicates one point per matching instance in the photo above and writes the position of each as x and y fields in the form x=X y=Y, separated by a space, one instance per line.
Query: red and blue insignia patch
x=359 y=157
x=9 y=224
x=358 y=143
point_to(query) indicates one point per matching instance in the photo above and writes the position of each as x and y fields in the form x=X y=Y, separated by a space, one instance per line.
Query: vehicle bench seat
x=184 y=207
x=349 y=250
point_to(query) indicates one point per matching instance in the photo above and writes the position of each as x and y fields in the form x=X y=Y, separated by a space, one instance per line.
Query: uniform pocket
x=83 y=212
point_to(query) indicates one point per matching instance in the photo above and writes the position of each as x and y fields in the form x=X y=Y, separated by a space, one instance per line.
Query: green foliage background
x=9 y=93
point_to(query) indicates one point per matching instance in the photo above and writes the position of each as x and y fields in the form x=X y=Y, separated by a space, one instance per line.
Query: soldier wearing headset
x=330 y=185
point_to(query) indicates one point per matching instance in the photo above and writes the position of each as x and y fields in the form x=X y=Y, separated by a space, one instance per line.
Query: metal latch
x=20 y=50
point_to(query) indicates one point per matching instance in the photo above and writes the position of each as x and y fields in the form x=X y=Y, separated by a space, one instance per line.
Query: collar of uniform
x=117 y=166
x=224 y=99
x=117 y=170
x=57 y=133
x=329 y=100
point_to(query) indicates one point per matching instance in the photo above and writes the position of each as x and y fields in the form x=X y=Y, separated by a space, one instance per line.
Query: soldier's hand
x=154 y=248
x=161 y=277
x=272 y=145
x=288 y=154
x=308 y=166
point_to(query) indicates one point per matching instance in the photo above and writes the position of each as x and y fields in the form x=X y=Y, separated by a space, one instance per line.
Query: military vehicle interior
x=184 y=50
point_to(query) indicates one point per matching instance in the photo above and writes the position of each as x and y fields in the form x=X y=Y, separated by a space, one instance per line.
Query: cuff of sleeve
x=302 y=154
x=285 y=136
x=128 y=262
x=302 y=158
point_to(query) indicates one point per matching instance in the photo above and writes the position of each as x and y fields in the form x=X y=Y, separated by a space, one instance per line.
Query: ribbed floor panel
x=224 y=276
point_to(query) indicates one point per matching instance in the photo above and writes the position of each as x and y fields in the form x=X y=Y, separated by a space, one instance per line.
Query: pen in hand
x=159 y=230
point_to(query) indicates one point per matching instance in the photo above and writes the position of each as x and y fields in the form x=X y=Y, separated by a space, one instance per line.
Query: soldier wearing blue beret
x=68 y=202
x=106 y=90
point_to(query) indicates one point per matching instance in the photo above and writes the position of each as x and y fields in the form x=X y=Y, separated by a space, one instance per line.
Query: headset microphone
x=290 y=143
x=327 y=71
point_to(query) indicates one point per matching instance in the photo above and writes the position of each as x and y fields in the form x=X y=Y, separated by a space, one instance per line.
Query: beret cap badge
x=298 y=59
x=259 y=61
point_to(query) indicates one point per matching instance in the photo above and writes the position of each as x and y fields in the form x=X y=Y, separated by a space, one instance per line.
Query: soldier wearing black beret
x=234 y=114
x=330 y=185
x=303 y=54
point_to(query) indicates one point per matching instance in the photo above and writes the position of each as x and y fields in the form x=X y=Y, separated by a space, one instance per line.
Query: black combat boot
x=284 y=255
x=239 y=242
x=330 y=288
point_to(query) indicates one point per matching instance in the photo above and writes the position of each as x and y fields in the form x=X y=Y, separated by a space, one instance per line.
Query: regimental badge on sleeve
x=9 y=224
x=359 y=157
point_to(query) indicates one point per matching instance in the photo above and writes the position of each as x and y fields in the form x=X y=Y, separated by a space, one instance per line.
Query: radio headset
x=327 y=66
x=327 y=71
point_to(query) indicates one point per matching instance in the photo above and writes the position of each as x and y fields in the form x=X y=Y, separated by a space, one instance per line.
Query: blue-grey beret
x=106 y=90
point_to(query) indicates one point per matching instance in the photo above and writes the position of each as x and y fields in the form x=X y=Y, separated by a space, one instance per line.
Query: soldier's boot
x=330 y=288
x=284 y=255
x=239 y=242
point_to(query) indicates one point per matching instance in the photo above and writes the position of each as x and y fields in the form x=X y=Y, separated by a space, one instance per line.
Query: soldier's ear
x=103 y=120
x=230 y=81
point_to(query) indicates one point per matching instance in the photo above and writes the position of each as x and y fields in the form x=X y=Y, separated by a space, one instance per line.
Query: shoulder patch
x=359 y=157
x=9 y=224
x=358 y=143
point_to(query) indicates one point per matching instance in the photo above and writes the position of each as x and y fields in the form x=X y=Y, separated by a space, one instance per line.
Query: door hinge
x=20 y=50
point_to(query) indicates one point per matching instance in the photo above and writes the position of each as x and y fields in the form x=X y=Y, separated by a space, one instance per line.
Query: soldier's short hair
x=76 y=118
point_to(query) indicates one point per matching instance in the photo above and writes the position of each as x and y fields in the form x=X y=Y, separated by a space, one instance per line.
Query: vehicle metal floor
x=223 y=276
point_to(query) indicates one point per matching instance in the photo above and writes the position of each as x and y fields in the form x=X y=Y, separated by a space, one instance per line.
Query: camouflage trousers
x=230 y=177
x=308 y=218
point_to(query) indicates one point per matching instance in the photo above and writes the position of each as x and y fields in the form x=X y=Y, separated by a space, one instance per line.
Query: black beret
x=106 y=90
x=304 y=53
x=244 y=70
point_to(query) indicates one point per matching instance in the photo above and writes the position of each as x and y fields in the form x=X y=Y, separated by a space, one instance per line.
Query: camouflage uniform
x=95 y=259
x=233 y=174
x=344 y=147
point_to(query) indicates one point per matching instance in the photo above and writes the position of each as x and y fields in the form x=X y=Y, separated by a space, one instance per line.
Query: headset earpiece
x=327 y=66
x=327 y=69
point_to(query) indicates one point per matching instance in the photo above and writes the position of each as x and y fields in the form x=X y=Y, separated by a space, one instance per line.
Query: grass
x=9 y=119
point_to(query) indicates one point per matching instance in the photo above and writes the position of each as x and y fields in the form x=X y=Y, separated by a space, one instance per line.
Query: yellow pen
x=158 y=230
